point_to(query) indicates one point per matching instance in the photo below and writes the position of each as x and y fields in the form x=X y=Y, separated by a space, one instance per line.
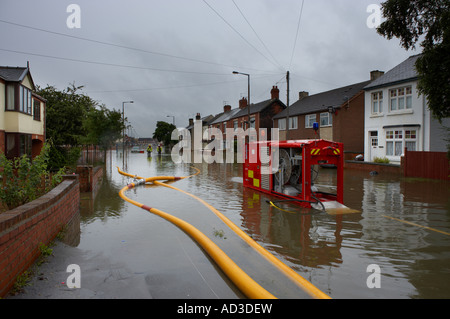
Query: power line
x=275 y=60
x=124 y=46
x=238 y=33
x=112 y=64
x=296 y=35
x=176 y=86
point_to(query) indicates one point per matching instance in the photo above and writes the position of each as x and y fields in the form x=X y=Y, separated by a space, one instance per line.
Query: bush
x=24 y=180
x=383 y=160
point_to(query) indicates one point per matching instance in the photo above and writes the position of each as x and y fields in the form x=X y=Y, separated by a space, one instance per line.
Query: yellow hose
x=295 y=277
x=245 y=283
x=240 y=281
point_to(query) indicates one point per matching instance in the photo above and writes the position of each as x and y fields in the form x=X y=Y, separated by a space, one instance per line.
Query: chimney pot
x=375 y=75
x=275 y=92
x=302 y=95
x=243 y=103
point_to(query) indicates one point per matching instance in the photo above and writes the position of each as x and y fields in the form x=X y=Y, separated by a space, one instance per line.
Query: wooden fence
x=434 y=165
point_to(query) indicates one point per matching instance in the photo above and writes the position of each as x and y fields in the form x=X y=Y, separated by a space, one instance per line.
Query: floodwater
x=373 y=253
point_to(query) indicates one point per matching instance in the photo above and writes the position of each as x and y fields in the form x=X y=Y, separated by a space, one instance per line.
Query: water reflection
x=333 y=252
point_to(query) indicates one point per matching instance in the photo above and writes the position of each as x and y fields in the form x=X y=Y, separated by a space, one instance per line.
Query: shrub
x=381 y=160
x=24 y=180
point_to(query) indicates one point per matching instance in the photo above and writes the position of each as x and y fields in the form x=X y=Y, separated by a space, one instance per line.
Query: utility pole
x=287 y=108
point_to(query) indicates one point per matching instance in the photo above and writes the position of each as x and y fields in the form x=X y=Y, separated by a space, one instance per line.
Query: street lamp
x=123 y=129
x=248 y=98
x=173 y=117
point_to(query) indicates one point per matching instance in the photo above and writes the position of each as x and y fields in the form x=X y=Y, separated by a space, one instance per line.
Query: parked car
x=135 y=149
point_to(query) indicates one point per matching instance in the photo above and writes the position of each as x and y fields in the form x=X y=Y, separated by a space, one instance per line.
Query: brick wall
x=25 y=228
x=90 y=177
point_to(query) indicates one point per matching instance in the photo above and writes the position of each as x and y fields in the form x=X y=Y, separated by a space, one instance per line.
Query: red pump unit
x=291 y=177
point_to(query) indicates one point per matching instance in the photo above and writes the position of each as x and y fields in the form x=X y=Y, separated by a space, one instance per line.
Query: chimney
x=375 y=75
x=227 y=108
x=275 y=92
x=197 y=117
x=242 y=103
x=302 y=95
x=191 y=122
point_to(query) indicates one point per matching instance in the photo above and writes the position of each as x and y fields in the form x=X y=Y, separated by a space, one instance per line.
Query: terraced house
x=22 y=113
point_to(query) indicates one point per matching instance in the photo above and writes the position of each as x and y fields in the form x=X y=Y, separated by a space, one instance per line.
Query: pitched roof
x=13 y=74
x=321 y=101
x=224 y=116
x=404 y=72
x=255 y=108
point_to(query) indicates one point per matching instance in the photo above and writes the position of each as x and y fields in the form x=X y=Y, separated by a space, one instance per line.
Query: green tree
x=427 y=22
x=103 y=127
x=163 y=132
x=66 y=113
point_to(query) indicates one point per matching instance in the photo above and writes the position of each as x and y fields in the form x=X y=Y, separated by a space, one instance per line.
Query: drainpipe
x=423 y=122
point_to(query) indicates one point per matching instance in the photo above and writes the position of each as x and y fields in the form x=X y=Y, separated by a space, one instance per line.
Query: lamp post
x=123 y=129
x=248 y=98
x=173 y=118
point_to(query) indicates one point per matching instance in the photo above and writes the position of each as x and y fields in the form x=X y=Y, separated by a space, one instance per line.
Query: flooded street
x=145 y=256
x=332 y=252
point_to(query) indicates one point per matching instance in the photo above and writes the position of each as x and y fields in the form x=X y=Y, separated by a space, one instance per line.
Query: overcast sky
x=176 y=57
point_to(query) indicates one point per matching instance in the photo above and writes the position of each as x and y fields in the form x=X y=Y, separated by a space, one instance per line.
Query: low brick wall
x=378 y=167
x=90 y=178
x=25 y=228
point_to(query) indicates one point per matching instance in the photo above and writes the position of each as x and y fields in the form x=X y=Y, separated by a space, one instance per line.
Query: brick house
x=22 y=113
x=339 y=113
x=261 y=114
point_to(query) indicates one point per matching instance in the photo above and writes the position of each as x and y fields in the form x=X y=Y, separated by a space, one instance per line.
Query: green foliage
x=428 y=21
x=103 y=127
x=73 y=119
x=382 y=160
x=163 y=132
x=24 y=180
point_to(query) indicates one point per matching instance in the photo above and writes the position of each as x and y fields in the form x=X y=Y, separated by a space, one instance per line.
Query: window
x=400 y=99
x=21 y=98
x=377 y=102
x=282 y=124
x=252 y=122
x=293 y=123
x=396 y=140
x=36 y=110
x=309 y=120
x=10 y=97
x=25 y=105
x=326 y=119
x=18 y=145
x=410 y=140
x=235 y=124
x=394 y=143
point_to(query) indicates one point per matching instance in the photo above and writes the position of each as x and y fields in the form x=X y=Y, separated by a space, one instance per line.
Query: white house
x=396 y=116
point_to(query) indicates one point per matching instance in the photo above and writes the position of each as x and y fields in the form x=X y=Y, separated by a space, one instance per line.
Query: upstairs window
x=309 y=120
x=326 y=119
x=377 y=102
x=282 y=124
x=36 y=110
x=400 y=98
x=10 y=97
x=293 y=123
